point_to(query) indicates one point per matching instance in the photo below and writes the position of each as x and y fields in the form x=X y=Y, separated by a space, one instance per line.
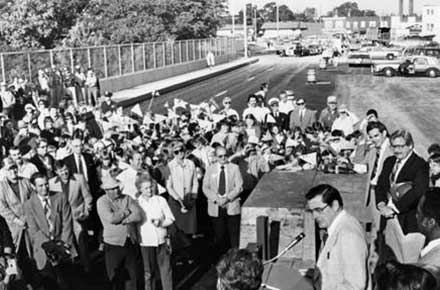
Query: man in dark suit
x=403 y=167
x=275 y=117
x=49 y=218
x=302 y=117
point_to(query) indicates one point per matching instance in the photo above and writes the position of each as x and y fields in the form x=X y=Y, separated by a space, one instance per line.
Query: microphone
x=293 y=243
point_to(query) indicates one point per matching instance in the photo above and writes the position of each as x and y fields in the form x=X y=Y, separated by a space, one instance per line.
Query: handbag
x=398 y=190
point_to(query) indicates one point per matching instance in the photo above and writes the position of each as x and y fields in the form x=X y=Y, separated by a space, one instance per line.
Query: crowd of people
x=79 y=174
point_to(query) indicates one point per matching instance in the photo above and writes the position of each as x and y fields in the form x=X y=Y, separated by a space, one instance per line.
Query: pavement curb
x=148 y=96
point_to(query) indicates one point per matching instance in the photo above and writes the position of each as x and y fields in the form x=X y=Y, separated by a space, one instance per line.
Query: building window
x=355 y=24
x=339 y=24
x=372 y=24
x=363 y=24
x=329 y=24
x=427 y=11
x=347 y=25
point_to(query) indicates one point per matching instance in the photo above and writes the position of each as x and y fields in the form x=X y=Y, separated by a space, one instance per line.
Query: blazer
x=12 y=207
x=415 y=170
x=282 y=121
x=342 y=263
x=92 y=175
x=39 y=228
x=234 y=186
x=308 y=119
x=79 y=198
x=41 y=167
x=432 y=258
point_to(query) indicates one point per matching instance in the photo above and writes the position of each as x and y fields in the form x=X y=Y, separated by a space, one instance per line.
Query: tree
x=350 y=9
x=310 y=14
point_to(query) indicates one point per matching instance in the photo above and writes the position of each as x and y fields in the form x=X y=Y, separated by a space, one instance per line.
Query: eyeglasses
x=300 y=104
x=226 y=103
x=318 y=210
x=179 y=151
x=221 y=156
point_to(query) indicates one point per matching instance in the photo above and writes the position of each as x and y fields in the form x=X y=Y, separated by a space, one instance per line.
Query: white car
x=382 y=52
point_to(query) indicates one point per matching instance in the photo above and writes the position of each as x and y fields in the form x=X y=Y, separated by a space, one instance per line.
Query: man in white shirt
x=286 y=104
x=258 y=112
x=227 y=110
x=342 y=263
x=346 y=121
x=428 y=221
x=7 y=99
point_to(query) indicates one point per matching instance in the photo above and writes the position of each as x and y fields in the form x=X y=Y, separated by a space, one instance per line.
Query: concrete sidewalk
x=143 y=93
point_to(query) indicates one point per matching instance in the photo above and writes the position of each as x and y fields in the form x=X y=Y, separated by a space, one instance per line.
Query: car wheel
x=390 y=56
x=389 y=72
x=431 y=73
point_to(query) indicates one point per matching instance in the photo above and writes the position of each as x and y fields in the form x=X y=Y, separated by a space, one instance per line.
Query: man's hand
x=387 y=212
x=222 y=201
x=20 y=222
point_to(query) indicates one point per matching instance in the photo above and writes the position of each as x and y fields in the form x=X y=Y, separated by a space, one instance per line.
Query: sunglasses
x=179 y=151
x=221 y=156
x=226 y=102
x=300 y=104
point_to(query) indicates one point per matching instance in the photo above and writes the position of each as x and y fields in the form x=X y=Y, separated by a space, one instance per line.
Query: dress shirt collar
x=44 y=199
x=432 y=244
x=336 y=221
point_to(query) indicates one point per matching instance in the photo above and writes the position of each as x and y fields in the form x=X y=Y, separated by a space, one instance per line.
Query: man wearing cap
x=227 y=110
x=345 y=121
x=183 y=185
x=276 y=117
x=119 y=215
x=286 y=102
x=302 y=117
x=7 y=99
x=330 y=113
x=108 y=105
x=14 y=191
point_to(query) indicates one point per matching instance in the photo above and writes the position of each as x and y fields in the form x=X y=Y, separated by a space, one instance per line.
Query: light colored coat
x=61 y=218
x=234 y=186
x=80 y=199
x=342 y=263
x=308 y=119
x=182 y=180
x=12 y=207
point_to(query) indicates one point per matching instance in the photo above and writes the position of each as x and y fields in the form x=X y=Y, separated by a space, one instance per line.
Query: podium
x=284 y=275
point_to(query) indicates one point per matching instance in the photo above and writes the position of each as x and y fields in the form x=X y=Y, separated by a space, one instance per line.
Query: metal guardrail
x=115 y=60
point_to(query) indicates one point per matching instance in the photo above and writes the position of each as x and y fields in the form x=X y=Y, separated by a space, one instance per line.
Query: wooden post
x=164 y=56
x=120 y=60
x=143 y=56
x=154 y=55
x=105 y=62
x=132 y=58
x=29 y=66
x=3 y=67
x=89 y=57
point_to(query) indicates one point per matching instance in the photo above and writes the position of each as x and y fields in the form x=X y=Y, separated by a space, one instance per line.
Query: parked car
x=359 y=59
x=382 y=52
x=412 y=66
x=297 y=50
x=422 y=50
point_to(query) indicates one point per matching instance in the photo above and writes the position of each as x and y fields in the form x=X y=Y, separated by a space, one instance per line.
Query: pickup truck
x=382 y=52
x=411 y=66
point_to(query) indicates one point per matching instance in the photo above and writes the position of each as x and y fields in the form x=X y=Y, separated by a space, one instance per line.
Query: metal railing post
x=187 y=53
x=132 y=58
x=172 y=52
x=72 y=62
x=200 y=49
x=194 y=49
x=164 y=56
x=180 y=51
x=89 y=57
x=51 y=57
x=120 y=60
x=144 y=59
x=2 y=59
x=29 y=66
x=154 y=55
x=105 y=62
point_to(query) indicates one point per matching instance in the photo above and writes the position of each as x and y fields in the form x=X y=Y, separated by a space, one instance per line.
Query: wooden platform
x=281 y=196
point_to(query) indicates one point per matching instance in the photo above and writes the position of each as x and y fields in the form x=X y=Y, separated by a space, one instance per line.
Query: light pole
x=245 y=31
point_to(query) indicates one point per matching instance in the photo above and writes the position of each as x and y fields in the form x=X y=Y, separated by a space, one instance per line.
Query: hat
x=108 y=94
x=290 y=93
x=273 y=101
x=109 y=183
x=331 y=99
x=226 y=99
x=9 y=163
x=177 y=146
x=25 y=149
x=29 y=107
x=343 y=108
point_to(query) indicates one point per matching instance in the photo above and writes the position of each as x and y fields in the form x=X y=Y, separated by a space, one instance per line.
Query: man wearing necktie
x=276 y=117
x=49 y=218
x=222 y=185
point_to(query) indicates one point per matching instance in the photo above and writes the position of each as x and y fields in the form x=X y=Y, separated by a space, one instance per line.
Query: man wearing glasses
x=330 y=114
x=302 y=117
x=342 y=262
x=227 y=110
x=404 y=167
x=222 y=185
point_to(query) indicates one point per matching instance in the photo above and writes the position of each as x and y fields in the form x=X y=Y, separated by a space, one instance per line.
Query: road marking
x=221 y=94
x=251 y=78
x=271 y=68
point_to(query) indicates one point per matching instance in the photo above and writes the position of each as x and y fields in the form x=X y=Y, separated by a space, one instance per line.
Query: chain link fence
x=115 y=60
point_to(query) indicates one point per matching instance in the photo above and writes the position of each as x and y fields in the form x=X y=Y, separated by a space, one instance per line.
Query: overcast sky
x=323 y=6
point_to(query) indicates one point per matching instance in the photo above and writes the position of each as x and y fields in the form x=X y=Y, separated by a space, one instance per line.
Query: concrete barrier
x=124 y=82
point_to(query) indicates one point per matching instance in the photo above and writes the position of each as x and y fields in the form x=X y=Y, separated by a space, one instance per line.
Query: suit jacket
x=234 y=186
x=41 y=167
x=414 y=170
x=79 y=198
x=92 y=176
x=327 y=117
x=432 y=258
x=12 y=206
x=282 y=121
x=342 y=263
x=308 y=119
x=5 y=236
x=61 y=218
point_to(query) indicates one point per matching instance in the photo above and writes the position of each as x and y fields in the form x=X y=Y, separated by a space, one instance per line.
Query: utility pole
x=245 y=31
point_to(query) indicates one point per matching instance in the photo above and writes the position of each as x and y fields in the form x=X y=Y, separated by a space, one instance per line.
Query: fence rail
x=115 y=60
